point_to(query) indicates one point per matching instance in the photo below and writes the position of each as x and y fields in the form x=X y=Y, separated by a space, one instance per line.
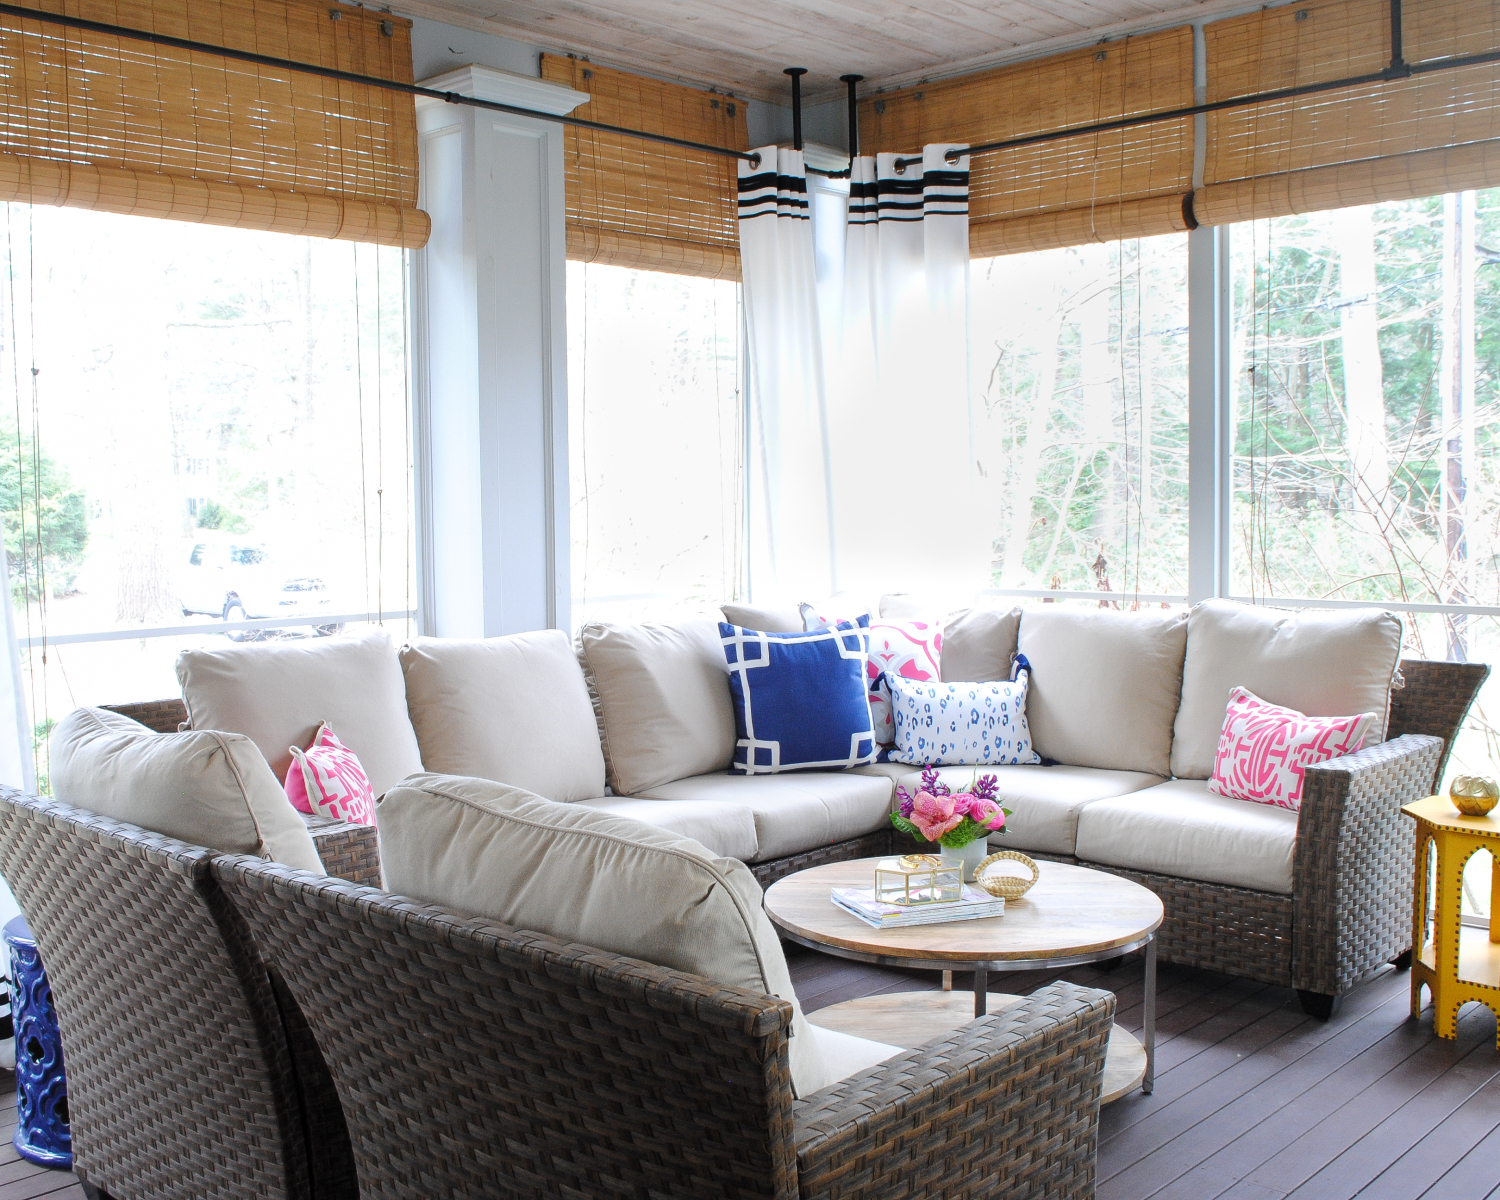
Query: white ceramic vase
x=969 y=857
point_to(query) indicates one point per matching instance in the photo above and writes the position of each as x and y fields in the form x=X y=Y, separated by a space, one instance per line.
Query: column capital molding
x=504 y=87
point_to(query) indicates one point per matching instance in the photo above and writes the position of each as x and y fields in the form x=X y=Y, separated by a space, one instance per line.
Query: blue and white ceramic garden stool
x=42 y=1133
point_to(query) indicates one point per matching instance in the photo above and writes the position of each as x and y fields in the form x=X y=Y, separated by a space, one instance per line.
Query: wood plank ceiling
x=743 y=47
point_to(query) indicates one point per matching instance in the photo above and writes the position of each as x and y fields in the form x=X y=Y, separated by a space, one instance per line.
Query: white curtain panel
x=903 y=463
x=791 y=529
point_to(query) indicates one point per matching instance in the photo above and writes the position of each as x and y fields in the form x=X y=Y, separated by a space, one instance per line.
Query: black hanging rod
x=390 y=85
x=1399 y=68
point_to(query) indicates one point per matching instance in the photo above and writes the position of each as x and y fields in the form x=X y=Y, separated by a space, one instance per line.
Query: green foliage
x=906 y=827
x=41 y=733
x=214 y=515
x=957 y=838
x=44 y=516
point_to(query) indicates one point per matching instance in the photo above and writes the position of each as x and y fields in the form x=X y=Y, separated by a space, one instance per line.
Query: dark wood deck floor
x=19 y=1179
x=1255 y=1101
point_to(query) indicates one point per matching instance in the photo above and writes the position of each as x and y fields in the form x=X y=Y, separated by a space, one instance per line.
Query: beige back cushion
x=785 y=618
x=208 y=788
x=979 y=644
x=1104 y=685
x=662 y=698
x=515 y=709
x=278 y=693
x=1323 y=662
x=592 y=877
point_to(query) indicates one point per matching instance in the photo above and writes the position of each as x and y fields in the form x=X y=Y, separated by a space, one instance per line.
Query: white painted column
x=490 y=360
x=1210 y=428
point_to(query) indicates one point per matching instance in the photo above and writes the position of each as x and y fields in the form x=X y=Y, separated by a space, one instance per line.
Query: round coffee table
x=1072 y=915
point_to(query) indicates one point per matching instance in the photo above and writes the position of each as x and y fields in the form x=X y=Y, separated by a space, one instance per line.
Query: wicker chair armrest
x=347 y=850
x=1011 y=1100
x=1352 y=864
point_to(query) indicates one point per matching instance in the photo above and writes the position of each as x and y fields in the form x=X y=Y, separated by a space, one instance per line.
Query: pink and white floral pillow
x=1264 y=749
x=910 y=649
x=327 y=779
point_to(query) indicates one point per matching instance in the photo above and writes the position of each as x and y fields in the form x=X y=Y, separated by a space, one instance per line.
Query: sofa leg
x=1319 y=1004
x=1109 y=964
x=1402 y=961
x=90 y=1192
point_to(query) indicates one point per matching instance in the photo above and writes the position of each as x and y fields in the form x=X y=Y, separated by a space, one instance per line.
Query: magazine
x=861 y=903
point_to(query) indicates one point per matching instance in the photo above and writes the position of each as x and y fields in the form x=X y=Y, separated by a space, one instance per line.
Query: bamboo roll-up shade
x=1057 y=189
x=1075 y=226
x=634 y=203
x=121 y=125
x=1397 y=177
x=1348 y=146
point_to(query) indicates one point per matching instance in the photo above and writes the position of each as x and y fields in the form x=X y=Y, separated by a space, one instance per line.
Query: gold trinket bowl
x=1473 y=795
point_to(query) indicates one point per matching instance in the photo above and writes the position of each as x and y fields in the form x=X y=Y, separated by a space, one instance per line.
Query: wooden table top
x=1440 y=811
x=1071 y=911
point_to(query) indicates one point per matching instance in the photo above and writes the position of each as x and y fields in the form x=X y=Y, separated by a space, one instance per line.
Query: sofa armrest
x=1352 y=866
x=347 y=851
x=1011 y=1099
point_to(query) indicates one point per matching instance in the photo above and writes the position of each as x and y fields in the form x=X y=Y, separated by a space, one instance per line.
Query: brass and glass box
x=917 y=879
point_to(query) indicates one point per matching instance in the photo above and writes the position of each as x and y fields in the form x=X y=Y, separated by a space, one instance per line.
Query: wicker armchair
x=190 y=1072
x=474 y=1059
x=1350 y=907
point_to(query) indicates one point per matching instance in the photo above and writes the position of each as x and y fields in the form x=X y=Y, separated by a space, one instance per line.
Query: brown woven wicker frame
x=478 y=1060
x=189 y=1072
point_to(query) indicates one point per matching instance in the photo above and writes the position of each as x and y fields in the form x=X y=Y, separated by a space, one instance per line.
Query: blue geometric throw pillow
x=800 y=699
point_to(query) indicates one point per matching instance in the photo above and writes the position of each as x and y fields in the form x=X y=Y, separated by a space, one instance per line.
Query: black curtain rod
x=390 y=85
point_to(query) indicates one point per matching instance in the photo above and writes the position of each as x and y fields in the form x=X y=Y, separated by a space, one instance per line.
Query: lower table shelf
x=912 y=1019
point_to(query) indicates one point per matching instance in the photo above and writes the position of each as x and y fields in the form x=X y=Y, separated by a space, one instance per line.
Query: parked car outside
x=241 y=581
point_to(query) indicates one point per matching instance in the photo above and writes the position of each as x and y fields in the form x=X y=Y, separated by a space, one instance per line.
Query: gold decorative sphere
x=1473 y=795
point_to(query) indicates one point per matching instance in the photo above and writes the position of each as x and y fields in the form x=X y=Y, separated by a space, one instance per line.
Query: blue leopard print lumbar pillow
x=961 y=724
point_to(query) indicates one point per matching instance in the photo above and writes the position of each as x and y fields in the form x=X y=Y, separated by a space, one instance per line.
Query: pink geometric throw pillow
x=910 y=649
x=327 y=779
x=1265 y=749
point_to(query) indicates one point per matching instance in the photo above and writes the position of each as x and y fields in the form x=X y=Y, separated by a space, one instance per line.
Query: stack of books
x=861 y=902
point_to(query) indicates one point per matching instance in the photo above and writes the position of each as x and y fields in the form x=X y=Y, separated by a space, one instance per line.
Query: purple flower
x=931 y=784
x=987 y=787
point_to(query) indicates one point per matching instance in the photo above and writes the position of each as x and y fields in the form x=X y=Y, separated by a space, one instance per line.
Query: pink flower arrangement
x=936 y=813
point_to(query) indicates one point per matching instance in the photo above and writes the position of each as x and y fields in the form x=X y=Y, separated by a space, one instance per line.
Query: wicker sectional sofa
x=637 y=721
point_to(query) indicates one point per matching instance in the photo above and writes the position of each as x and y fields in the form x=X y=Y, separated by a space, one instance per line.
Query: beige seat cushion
x=278 y=693
x=1104 y=685
x=1181 y=828
x=514 y=709
x=794 y=812
x=661 y=693
x=846 y=1055
x=592 y=877
x=208 y=788
x=1044 y=802
x=726 y=829
x=1322 y=662
x=979 y=644
x=885 y=770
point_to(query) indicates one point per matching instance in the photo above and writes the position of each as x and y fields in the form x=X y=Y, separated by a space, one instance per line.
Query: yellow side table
x=1458 y=963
